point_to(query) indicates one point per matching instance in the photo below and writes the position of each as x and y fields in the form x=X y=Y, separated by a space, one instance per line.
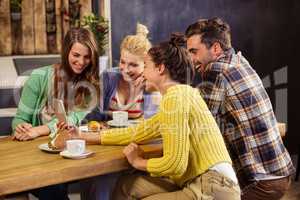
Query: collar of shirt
x=223 y=56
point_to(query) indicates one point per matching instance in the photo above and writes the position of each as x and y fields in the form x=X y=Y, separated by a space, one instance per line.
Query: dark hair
x=211 y=31
x=175 y=57
x=63 y=72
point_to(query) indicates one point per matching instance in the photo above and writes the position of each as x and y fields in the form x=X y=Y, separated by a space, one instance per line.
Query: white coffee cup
x=120 y=117
x=76 y=146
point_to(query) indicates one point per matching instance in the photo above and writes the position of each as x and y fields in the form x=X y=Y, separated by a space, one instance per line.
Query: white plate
x=84 y=128
x=133 y=122
x=66 y=154
x=116 y=124
x=45 y=147
x=128 y=123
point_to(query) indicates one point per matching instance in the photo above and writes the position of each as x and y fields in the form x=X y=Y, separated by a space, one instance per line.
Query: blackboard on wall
x=163 y=17
x=265 y=31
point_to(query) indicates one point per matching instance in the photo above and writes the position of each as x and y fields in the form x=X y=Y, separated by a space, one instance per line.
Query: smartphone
x=59 y=110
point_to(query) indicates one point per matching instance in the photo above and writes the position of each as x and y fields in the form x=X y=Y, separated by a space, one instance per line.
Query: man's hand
x=134 y=155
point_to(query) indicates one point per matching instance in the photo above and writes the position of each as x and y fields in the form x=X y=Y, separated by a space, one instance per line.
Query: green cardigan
x=33 y=99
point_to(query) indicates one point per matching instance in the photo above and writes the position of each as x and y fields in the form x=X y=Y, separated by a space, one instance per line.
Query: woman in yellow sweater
x=195 y=162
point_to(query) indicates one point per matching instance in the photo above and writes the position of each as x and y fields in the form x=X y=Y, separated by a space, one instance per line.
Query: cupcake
x=94 y=126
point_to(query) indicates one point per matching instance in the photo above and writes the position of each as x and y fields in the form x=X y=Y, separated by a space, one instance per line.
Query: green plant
x=15 y=5
x=99 y=26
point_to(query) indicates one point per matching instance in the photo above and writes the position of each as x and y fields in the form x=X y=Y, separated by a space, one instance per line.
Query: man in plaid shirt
x=237 y=99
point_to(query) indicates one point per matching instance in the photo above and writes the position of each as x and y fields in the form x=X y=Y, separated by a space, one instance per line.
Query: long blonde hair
x=137 y=44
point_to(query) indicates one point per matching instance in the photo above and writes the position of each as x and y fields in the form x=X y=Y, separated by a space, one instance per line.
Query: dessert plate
x=117 y=124
x=45 y=147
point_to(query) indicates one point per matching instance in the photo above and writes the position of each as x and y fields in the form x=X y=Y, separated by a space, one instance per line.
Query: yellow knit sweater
x=192 y=142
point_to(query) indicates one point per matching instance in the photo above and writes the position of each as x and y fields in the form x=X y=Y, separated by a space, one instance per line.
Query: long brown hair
x=67 y=84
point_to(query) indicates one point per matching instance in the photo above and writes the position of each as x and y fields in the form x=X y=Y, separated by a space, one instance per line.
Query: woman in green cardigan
x=73 y=81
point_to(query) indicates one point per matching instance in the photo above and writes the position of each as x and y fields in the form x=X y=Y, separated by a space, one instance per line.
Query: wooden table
x=23 y=166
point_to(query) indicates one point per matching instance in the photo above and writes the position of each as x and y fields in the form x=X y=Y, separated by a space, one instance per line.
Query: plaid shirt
x=237 y=99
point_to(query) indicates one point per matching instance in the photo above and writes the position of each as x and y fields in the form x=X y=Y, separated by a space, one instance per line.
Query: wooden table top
x=23 y=166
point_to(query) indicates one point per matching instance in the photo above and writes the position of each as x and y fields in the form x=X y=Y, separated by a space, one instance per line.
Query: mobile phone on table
x=59 y=110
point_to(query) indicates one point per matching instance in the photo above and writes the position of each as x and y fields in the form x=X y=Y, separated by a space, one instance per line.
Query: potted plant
x=99 y=26
x=15 y=9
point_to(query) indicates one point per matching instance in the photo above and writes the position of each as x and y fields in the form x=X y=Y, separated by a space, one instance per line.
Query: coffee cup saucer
x=118 y=124
x=66 y=154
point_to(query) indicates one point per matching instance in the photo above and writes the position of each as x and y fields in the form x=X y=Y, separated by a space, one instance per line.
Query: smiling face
x=79 y=58
x=200 y=54
x=131 y=66
x=151 y=74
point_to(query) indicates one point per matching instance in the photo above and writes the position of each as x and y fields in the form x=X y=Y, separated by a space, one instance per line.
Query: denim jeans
x=52 y=192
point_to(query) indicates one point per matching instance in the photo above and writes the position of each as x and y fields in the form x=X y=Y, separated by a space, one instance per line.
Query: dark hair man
x=237 y=99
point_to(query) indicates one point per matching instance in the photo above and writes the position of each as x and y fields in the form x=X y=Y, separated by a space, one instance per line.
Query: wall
x=264 y=30
x=40 y=25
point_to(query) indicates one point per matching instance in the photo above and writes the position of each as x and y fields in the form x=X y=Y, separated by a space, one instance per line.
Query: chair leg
x=298 y=165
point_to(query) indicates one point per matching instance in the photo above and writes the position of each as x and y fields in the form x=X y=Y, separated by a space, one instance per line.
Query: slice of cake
x=58 y=142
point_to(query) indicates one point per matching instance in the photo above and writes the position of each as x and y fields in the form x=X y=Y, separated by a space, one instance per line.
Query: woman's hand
x=74 y=132
x=139 y=82
x=104 y=126
x=89 y=137
x=23 y=128
x=71 y=132
x=136 y=87
x=29 y=135
x=60 y=140
x=134 y=155
x=63 y=126
x=25 y=131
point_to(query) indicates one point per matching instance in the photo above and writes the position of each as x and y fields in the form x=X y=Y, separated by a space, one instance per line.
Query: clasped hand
x=25 y=131
x=135 y=156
